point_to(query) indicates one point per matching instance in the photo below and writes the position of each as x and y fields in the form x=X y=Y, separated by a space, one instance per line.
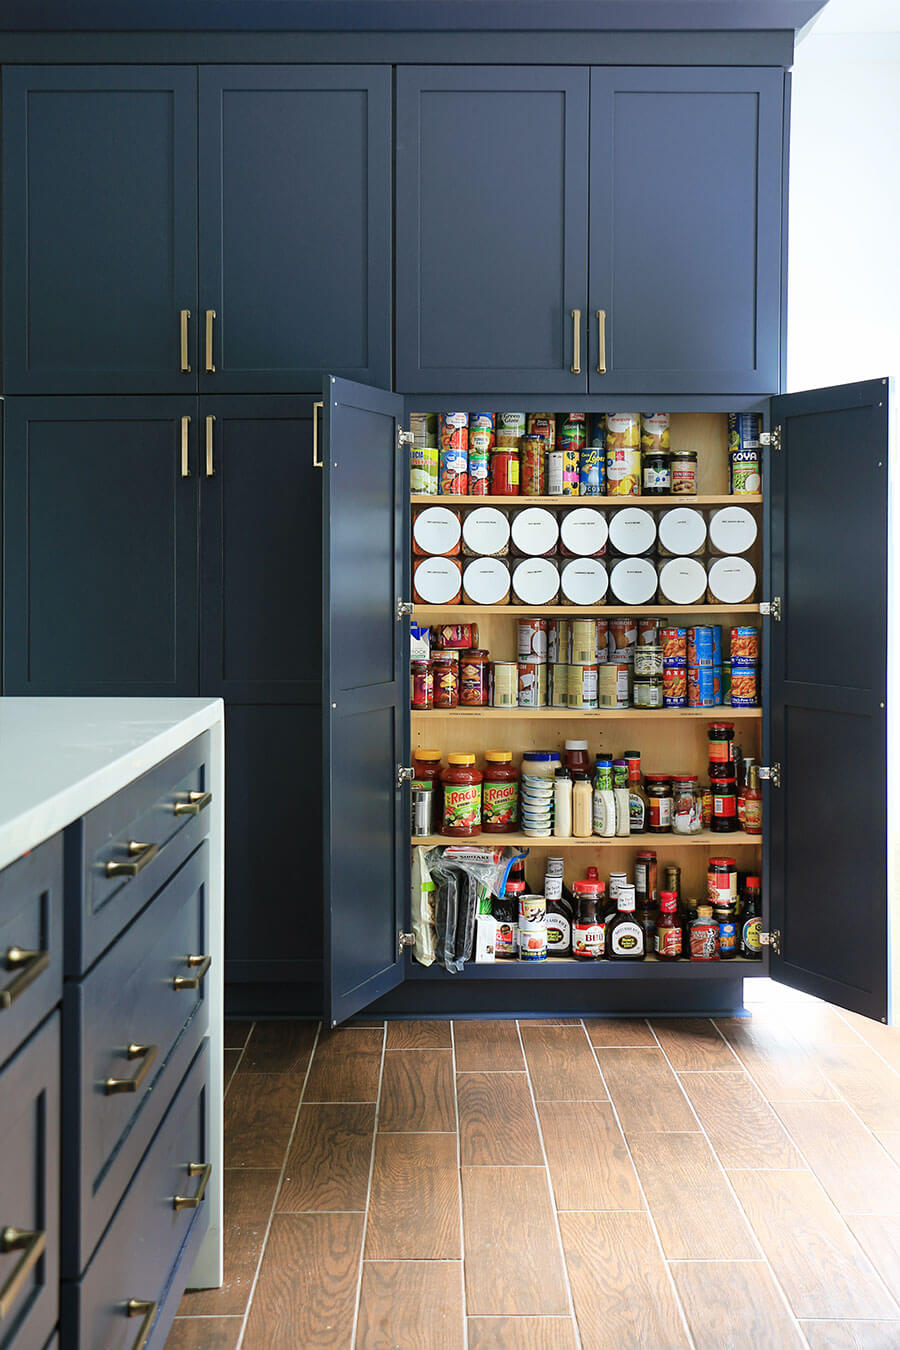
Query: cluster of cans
x=695 y=674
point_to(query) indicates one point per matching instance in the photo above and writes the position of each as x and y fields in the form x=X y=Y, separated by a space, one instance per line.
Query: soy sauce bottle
x=751 y=920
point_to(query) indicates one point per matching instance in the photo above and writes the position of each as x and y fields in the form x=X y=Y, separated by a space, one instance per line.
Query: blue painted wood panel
x=100 y=547
x=491 y=228
x=31 y=918
x=99 y=228
x=685 y=254
x=295 y=224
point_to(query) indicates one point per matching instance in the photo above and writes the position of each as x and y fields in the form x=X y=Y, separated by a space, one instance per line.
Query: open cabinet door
x=828 y=695
x=366 y=695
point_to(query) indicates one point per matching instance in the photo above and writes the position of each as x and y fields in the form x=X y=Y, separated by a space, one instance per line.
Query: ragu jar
x=499 y=793
x=461 y=782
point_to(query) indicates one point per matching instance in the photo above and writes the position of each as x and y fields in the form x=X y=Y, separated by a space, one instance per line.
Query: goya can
x=505 y=473
x=454 y=454
x=744 y=646
x=571 y=431
x=424 y=473
x=745 y=473
x=532 y=684
x=704 y=646
x=481 y=443
x=532 y=453
x=674 y=646
x=744 y=686
x=508 y=428
x=421 y=682
x=675 y=687
x=704 y=686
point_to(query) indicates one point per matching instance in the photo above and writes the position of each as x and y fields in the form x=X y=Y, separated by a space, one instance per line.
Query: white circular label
x=486 y=581
x=485 y=530
x=732 y=581
x=682 y=581
x=437 y=530
x=437 y=580
x=536 y=581
x=682 y=531
x=535 y=531
x=633 y=581
x=632 y=531
x=584 y=581
x=732 y=530
x=584 y=531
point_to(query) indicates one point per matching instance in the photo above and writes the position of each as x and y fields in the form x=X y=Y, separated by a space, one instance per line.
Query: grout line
x=287 y=1153
x=552 y=1195
x=462 y=1230
x=237 y=1065
x=362 y=1245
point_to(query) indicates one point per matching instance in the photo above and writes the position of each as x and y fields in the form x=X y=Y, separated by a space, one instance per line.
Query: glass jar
x=683 y=465
x=474 y=678
x=657 y=475
x=724 y=813
x=647 y=691
x=659 y=792
x=648 y=659
x=687 y=811
x=421 y=685
x=499 y=793
x=721 y=736
x=446 y=679
x=461 y=783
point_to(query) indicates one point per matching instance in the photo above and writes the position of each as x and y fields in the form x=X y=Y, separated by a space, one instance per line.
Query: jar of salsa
x=421 y=685
x=659 y=793
x=474 y=678
x=445 y=666
x=461 y=782
x=500 y=793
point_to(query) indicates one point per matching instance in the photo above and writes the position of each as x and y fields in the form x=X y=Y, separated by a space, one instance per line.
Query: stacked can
x=424 y=475
x=509 y=428
x=704 y=666
x=481 y=443
x=454 y=454
x=583 y=665
x=532 y=928
x=674 y=652
x=532 y=665
x=592 y=466
x=744 y=684
x=558 y=652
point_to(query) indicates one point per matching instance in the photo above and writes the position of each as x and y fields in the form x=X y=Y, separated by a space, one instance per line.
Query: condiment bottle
x=724 y=816
x=562 y=804
x=587 y=932
x=560 y=910
x=625 y=939
x=659 y=791
x=646 y=872
x=506 y=912
x=582 y=806
x=462 y=796
x=753 y=803
x=576 y=757
x=622 y=799
x=688 y=915
x=751 y=922
x=638 y=801
x=604 y=800
x=667 y=939
x=728 y=939
x=499 y=793
x=704 y=935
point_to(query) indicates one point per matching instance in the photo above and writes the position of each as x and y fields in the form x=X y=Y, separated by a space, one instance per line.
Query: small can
x=532 y=450
x=675 y=687
x=704 y=646
x=474 y=679
x=623 y=471
x=506 y=684
x=727 y=938
x=584 y=641
x=505 y=473
x=623 y=430
x=533 y=941
x=648 y=660
x=612 y=685
x=421 y=685
x=532 y=644
x=648 y=691
x=571 y=431
x=674 y=646
x=454 y=454
x=506 y=941
x=744 y=431
x=424 y=460
x=445 y=668
x=532 y=677
x=744 y=646
x=726 y=683
x=744 y=686
x=558 y=692
x=744 y=472
x=455 y=637
x=509 y=426
x=704 y=684
x=532 y=909
x=542 y=424
x=562 y=473
x=583 y=687
x=422 y=805
x=591 y=472
x=654 y=431
x=622 y=639
x=557 y=639
x=481 y=442
x=602 y=641
x=648 y=632
x=684 y=473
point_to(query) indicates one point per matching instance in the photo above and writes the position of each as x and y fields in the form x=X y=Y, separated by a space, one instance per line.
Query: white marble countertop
x=59 y=757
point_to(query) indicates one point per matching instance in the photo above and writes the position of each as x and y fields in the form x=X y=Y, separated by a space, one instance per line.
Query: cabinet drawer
x=29 y=1188
x=30 y=942
x=130 y=1003
x=150 y=1243
x=155 y=811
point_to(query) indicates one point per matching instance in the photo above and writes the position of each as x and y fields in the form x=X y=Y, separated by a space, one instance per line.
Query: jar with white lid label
x=732 y=530
x=682 y=581
x=485 y=533
x=731 y=581
x=437 y=581
x=486 y=582
x=535 y=581
x=633 y=581
x=583 y=533
x=682 y=532
x=583 y=581
x=632 y=532
x=535 y=532
x=436 y=532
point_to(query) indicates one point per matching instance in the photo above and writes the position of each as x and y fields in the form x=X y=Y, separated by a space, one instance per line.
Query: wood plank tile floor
x=560 y=1183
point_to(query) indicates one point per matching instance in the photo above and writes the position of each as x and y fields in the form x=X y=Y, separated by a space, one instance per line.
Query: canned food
x=421 y=685
x=592 y=472
x=531 y=466
x=481 y=442
x=532 y=640
x=648 y=632
x=558 y=640
x=648 y=691
x=648 y=661
x=445 y=667
x=744 y=472
x=726 y=684
x=602 y=641
x=704 y=646
x=509 y=426
x=571 y=431
x=424 y=472
x=542 y=424
x=505 y=473
x=744 y=430
x=654 y=431
x=562 y=473
x=455 y=636
x=623 y=634
x=744 y=686
x=533 y=941
x=612 y=686
x=584 y=641
x=675 y=687
x=623 y=471
x=623 y=430
x=704 y=685
x=532 y=678
x=744 y=646
x=422 y=806
x=558 y=684
x=583 y=686
x=454 y=453
x=506 y=684
x=532 y=909
x=674 y=646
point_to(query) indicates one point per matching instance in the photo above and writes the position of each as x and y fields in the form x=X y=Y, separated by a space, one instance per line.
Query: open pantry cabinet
x=822 y=727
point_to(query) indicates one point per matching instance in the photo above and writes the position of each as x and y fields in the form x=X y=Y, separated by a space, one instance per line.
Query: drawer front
x=128 y=846
x=30 y=942
x=125 y=1022
x=144 y=1243
x=29 y=1189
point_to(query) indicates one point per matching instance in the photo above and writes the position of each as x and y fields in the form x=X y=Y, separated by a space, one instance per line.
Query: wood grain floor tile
x=693 y=1044
x=279 y=1047
x=817 y=1026
x=417 y=1091
x=229 y=1064
x=411 y=1305
x=550 y=1021
x=236 y=1032
x=620 y=1286
x=482 y=1046
x=864 y=1080
x=852 y=1335
x=306 y=1293
x=418 y=1036
x=890 y=1142
x=742 y=1127
x=259 y=1113
x=589 y=1163
x=732 y=1305
x=561 y=1065
x=884 y=1040
x=820 y=1266
x=521 y=1333
x=414 y=1201
x=880 y=1239
x=248 y=1197
x=204 y=1333
x=629 y=1031
x=513 y=1263
x=849 y=1162
x=345 y=1067
x=645 y=1091
x=496 y=1120
x=783 y=1070
x=328 y=1164
x=695 y=1213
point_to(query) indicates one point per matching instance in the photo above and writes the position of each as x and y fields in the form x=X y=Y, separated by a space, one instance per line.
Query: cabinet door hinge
x=772 y=608
x=772 y=773
x=404 y=438
x=404 y=775
x=772 y=438
x=772 y=940
x=404 y=608
x=405 y=940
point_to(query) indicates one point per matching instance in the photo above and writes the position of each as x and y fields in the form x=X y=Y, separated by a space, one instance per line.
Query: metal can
x=623 y=471
x=704 y=686
x=509 y=426
x=648 y=691
x=744 y=686
x=533 y=941
x=726 y=683
x=455 y=637
x=654 y=431
x=674 y=646
x=571 y=431
x=744 y=472
x=591 y=472
x=623 y=430
x=558 y=642
x=622 y=639
x=744 y=431
x=675 y=687
x=424 y=461
x=584 y=641
x=648 y=660
x=602 y=641
x=612 y=685
x=454 y=454
x=421 y=680
x=445 y=668
x=506 y=684
x=532 y=644
x=648 y=632
x=532 y=677
x=532 y=450
x=744 y=646
x=505 y=473
x=481 y=442
x=532 y=909
x=558 y=691
x=583 y=686
x=422 y=807
x=570 y=470
x=704 y=646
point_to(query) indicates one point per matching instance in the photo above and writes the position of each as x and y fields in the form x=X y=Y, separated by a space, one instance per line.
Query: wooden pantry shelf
x=707 y=839
x=571 y=715
x=701 y=499
x=431 y=613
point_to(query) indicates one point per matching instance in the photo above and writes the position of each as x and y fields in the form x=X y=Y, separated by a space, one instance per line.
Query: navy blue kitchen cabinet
x=685 y=236
x=100 y=546
x=295 y=225
x=491 y=229
x=99 y=229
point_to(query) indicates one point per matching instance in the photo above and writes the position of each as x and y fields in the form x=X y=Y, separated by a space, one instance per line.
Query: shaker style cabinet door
x=100 y=546
x=295 y=226
x=491 y=229
x=99 y=229
x=685 y=248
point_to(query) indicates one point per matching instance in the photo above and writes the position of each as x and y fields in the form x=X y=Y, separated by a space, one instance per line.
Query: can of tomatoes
x=454 y=453
x=481 y=443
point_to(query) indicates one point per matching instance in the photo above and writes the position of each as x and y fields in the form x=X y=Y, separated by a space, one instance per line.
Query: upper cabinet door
x=295 y=226
x=829 y=687
x=491 y=229
x=99 y=229
x=685 y=255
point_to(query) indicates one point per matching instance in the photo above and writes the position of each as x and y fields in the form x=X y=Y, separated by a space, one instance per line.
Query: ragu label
x=499 y=802
x=462 y=805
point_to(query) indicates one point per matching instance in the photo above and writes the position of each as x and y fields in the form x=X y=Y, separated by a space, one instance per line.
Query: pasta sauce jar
x=474 y=679
x=500 y=793
x=461 y=783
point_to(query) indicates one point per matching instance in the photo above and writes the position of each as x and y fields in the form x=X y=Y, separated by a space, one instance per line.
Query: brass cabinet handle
x=210 y=368
x=185 y=466
x=601 y=335
x=317 y=459
x=32 y=964
x=141 y=855
x=576 y=342
x=196 y=802
x=210 y=471
x=185 y=363
x=146 y=1054
x=201 y=1170
x=141 y=1307
x=31 y=1245
x=202 y=965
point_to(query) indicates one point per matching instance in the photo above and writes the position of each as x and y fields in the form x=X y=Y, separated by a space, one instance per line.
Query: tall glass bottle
x=638 y=802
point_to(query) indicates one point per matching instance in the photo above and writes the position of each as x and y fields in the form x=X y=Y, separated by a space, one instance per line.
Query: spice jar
x=686 y=805
x=474 y=679
x=683 y=466
x=421 y=681
x=659 y=792
x=461 y=782
x=445 y=665
x=499 y=793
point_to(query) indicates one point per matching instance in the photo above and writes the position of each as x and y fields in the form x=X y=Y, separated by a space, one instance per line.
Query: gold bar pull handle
x=31 y=1245
x=195 y=803
x=210 y=368
x=139 y=856
x=145 y=1308
x=29 y=964
x=210 y=470
x=146 y=1054
x=185 y=363
x=601 y=337
x=199 y=963
x=185 y=428
x=576 y=342
x=317 y=411
x=201 y=1170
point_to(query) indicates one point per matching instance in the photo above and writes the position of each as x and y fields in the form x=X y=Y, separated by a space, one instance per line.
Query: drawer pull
x=141 y=855
x=146 y=1054
x=31 y=1245
x=32 y=965
x=201 y=1170
x=141 y=1307
x=196 y=802
x=202 y=965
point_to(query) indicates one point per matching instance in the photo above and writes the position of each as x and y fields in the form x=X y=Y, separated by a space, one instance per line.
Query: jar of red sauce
x=474 y=678
x=499 y=793
x=461 y=782
x=445 y=668
x=577 y=758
